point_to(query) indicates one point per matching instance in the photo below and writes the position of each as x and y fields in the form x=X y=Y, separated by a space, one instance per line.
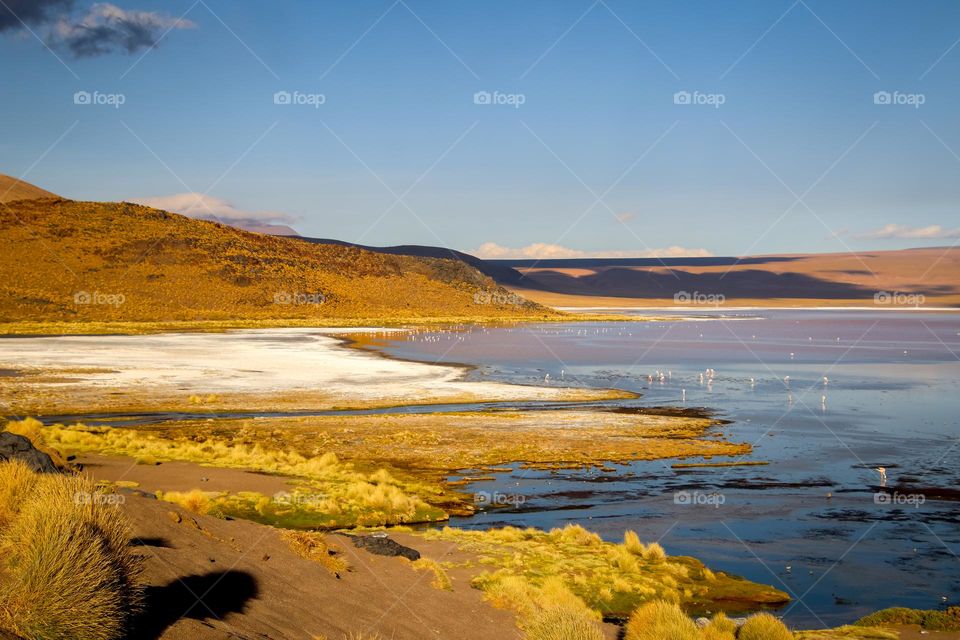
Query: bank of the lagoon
x=823 y=396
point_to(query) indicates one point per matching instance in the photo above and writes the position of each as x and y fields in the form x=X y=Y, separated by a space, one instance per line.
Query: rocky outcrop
x=16 y=447
x=384 y=546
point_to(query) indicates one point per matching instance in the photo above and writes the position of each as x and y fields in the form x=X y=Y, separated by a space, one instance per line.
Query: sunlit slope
x=12 y=189
x=67 y=260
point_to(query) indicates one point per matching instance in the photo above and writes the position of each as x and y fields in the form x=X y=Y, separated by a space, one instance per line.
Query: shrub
x=16 y=481
x=711 y=633
x=511 y=592
x=654 y=553
x=660 y=620
x=632 y=542
x=440 y=578
x=70 y=574
x=722 y=625
x=562 y=623
x=554 y=593
x=313 y=546
x=195 y=500
x=576 y=535
x=929 y=619
x=764 y=626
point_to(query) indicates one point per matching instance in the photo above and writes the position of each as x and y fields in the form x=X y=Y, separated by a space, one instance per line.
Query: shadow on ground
x=210 y=596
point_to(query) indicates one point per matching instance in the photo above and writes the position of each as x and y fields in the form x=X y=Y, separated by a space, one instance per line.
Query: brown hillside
x=12 y=189
x=67 y=260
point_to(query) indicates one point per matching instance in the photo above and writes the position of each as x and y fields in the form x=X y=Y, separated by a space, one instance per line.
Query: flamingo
x=883 y=475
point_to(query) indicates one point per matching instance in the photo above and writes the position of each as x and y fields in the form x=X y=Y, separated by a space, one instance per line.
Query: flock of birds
x=705 y=378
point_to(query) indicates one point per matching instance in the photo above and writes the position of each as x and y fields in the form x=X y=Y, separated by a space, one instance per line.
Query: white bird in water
x=883 y=475
x=826 y=380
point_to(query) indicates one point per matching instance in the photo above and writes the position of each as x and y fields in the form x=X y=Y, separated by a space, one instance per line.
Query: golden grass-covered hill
x=67 y=260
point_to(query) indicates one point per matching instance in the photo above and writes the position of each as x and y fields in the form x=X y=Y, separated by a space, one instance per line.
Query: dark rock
x=383 y=546
x=15 y=447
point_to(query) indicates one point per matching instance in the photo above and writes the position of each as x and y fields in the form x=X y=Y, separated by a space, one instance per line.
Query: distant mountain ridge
x=844 y=279
x=14 y=189
x=503 y=274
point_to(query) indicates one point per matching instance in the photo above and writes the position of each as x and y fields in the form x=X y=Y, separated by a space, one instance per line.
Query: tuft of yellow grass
x=16 y=482
x=654 y=553
x=720 y=627
x=68 y=570
x=632 y=543
x=28 y=427
x=562 y=623
x=194 y=500
x=763 y=626
x=440 y=580
x=659 y=620
x=313 y=546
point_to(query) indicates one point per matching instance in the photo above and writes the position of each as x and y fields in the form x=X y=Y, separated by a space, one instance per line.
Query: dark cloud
x=14 y=13
x=107 y=28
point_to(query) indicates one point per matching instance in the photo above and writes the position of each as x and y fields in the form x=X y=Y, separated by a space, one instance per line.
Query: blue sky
x=598 y=158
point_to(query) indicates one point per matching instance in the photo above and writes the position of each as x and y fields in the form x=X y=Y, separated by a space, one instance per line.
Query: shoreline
x=45 y=328
x=263 y=370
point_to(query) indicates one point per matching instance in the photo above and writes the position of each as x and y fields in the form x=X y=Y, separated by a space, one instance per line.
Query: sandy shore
x=269 y=368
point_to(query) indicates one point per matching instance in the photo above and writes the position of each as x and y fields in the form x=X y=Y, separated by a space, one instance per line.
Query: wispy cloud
x=900 y=231
x=15 y=13
x=544 y=251
x=107 y=28
x=204 y=207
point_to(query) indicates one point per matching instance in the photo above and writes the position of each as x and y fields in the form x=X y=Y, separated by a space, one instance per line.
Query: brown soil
x=252 y=585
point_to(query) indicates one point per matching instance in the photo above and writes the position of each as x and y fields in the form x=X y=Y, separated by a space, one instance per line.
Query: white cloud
x=900 y=231
x=544 y=251
x=198 y=205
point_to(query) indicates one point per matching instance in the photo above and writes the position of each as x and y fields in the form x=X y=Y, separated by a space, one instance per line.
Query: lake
x=824 y=396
